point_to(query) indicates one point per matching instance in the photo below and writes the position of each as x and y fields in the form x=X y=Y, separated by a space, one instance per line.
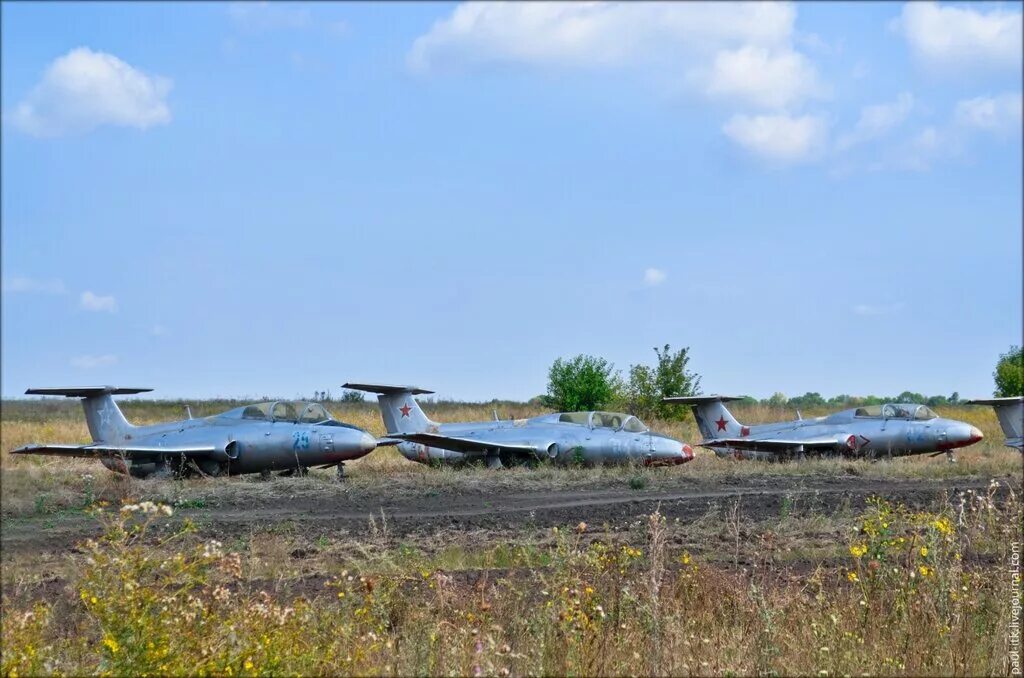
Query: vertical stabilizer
x=398 y=407
x=105 y=420
x=1010 y=412
x=713 y=418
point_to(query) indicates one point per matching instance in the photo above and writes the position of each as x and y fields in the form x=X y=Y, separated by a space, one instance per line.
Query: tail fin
x=1011 y=418
x=105 y=419
x=713 y=418
x=398 y=408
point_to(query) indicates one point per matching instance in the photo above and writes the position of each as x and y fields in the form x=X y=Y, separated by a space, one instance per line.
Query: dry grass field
x=715 y=567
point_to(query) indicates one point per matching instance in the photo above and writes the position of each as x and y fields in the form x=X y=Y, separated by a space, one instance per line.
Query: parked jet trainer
x=284 y=436
x=562 y=438
x=893 y=429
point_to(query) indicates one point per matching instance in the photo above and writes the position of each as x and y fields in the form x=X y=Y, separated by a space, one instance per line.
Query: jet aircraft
x=1011 y=418
x=562 y=438
x=888 y=430
x=258 y=438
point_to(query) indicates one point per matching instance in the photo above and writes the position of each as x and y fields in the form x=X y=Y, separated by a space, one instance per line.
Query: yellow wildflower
x=858 y=550
x=852 y=576
x=924 y=551
x=111 y=644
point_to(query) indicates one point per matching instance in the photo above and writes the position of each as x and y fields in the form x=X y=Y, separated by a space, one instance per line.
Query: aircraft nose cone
x=367 y=443
x=976 y=435
x=687 y=453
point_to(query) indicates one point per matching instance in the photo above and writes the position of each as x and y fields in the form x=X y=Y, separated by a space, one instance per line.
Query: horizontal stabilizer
x=700 y=400
x=386 y=389
x=107 y=450
x=85 y=391
x=463 y=445
x=997 y=402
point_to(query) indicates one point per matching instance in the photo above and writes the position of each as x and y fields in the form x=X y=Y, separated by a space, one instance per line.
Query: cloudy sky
x=254 y=199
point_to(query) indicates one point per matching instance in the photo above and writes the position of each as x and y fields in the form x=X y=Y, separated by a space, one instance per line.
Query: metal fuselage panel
x=560 y=443
x=865 y=436
x=257 y=445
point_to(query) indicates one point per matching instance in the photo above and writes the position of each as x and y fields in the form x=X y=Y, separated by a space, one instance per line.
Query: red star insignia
x=721 y=423
x=744 y=431
x=405 y=409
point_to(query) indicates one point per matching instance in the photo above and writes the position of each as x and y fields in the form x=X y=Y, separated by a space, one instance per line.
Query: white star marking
x=105 y=413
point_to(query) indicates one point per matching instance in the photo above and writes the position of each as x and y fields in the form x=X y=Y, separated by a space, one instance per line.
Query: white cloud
x=876 y=120
x=94 y=302
x=961 y=37
x=654 y=277
x=877 y=309
x=88 y=362
x=1000 y=113
x=31 y=285
x=741 y=51
x=781 y=138
x=85 y=89
x=596 y=34
x=260 y=17
x=763 y=77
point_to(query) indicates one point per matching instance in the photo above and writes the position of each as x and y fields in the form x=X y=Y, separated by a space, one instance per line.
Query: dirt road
x=499 y=509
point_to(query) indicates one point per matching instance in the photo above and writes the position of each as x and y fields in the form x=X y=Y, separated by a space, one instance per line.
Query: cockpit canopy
x=285 y=410
x=896 y=411
x=613 y=420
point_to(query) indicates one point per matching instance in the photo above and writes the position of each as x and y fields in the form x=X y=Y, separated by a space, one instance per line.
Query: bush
x=1009 y=374
x=669 y=377
x=582 y=383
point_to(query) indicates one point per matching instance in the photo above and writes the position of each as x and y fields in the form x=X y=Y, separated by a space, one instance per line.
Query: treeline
x=812 y=400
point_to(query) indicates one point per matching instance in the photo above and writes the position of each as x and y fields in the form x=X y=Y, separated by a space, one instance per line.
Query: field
x=716 y=566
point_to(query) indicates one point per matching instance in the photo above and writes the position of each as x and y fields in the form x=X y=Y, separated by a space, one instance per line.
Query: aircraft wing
x=463 y=445
x=386 y=442
x=102 y=450
x=771 y=444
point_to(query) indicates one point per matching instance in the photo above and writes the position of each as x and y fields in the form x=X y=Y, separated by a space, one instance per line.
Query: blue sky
x=259 y=199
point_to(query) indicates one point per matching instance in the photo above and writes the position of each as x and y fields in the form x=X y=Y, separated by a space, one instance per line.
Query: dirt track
x=502 y=510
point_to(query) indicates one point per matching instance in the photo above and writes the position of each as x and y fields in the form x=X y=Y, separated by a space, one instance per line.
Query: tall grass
x=919 y=593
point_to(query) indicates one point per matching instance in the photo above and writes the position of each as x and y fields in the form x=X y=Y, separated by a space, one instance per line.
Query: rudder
x=104 y=418
x=713 y=418
x=398 y=407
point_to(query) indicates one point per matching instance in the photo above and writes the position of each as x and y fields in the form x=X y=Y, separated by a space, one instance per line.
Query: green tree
x=778 y=400
x=348 y=396
x=669 y=377
x=585 y=382
x=1009 y=374
x=640 y=393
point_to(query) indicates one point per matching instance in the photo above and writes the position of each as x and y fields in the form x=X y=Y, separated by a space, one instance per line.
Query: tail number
x=300 y=440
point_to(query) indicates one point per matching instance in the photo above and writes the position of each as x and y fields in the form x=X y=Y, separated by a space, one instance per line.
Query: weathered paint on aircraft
x=262 y=437
x=893 y=429
x=563 y=438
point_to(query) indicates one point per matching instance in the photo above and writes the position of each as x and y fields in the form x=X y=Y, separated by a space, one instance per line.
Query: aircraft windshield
x=582 y=418
x=283 y=410
x=896 y=411
x=613 y=420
